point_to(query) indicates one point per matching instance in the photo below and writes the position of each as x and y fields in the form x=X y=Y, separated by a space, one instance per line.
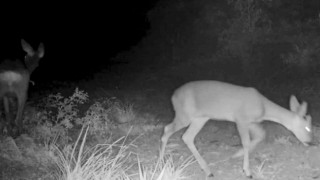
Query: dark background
x=79 y=38
x=84 y=38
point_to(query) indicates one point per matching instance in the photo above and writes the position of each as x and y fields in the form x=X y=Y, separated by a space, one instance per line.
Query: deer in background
x=14 y=81
x=197 y=102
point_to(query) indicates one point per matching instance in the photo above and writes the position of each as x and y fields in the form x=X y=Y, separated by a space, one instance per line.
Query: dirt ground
x=279 y=157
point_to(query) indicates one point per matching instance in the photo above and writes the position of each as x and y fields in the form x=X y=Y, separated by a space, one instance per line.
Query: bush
x=56 y=116
x=306 y=52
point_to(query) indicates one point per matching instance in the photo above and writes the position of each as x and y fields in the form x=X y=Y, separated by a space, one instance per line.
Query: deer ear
x=294 y=104
x=303 y=109
x=27 y=48
x=41 y=50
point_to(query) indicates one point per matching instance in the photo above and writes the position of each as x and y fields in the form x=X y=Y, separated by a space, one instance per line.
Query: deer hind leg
x=178 y=123
x=8 y=121
x=21 y=98
x=245 y=140
x=6 y=108
x=188 y=138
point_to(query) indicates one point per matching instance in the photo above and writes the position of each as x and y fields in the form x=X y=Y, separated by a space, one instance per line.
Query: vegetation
x=112 y=131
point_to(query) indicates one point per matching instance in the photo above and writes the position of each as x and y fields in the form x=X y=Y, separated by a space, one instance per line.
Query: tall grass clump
x=112 y=162
x=103 y=161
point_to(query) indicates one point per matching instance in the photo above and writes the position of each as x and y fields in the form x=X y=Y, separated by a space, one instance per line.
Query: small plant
x=260 y=170
x=97 y=118
x=123 y=112
x=105 y=114
x=111 y=162
x=285 y=140
x=57 y=115
x=316 y=134
x=103 y=161
x=165 y=169
x=66 y=108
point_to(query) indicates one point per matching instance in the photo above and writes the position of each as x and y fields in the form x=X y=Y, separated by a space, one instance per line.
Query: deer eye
x=308 y=129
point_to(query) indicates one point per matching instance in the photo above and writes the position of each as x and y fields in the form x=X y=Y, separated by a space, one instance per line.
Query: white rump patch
x=10 y=76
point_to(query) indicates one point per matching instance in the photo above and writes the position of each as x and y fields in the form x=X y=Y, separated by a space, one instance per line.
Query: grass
x=285 y=140
x=112 y=162
x=103 y=161
x=165 y=169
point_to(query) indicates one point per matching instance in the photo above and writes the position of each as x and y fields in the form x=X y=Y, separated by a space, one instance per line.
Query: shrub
x=306 y=52
x=56 y=116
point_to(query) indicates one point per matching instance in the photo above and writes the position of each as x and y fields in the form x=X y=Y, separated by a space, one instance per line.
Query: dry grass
x=103 y=161
x=112 y=162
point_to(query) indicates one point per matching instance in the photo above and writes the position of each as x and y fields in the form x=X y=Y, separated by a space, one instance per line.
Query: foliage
x=97 y=118
x=112 y=162
x=122 y=112
x=250 y=15
x=306 y=51
x=103 y=161
x=285 y=140
x=56 y=116
x=165 y=169
x=66 y=108
x=248 y=24
x=104 y=114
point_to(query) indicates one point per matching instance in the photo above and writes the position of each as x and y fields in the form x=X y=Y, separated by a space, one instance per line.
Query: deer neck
x=277 y=113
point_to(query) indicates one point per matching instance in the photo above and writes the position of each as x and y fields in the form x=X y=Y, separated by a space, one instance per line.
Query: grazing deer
x=14 y=80
x=197 y=102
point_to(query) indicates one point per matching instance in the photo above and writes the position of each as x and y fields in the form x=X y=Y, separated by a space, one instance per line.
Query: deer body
x=14 y=81
x=197 y=102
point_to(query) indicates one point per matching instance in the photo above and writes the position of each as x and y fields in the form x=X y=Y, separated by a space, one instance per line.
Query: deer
x=14 y=82
x=197 y=102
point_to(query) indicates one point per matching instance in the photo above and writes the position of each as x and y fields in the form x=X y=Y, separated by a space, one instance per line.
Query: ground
x=272 y=159
x=280 y=156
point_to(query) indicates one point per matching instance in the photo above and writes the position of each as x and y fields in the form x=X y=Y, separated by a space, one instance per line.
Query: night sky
x=79 y=38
